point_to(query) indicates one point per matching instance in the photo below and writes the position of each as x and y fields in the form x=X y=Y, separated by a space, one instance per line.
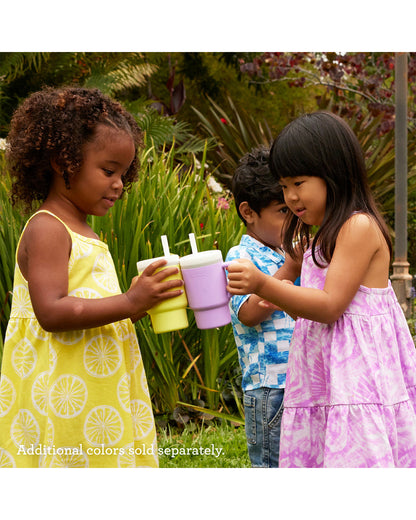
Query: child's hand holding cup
x=170 y=314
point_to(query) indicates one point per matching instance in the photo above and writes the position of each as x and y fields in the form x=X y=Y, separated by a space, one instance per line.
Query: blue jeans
x=263 y=409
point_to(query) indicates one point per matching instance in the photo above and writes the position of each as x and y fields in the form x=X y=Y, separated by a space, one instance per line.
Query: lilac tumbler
x=205 y=282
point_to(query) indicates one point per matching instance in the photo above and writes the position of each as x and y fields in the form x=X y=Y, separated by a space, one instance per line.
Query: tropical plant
x=379 y=156
x=163 y=132
x=15 y=64
x=114 y=73
x=24 y=72
x=11 y=225
x=236 y=132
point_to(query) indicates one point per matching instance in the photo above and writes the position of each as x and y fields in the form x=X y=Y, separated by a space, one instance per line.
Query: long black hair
x=322 y=145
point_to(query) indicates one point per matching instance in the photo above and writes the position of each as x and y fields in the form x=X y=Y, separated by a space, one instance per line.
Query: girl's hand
x=269 y=305
x=149 y=288
x=244 y=277
x=138 y=316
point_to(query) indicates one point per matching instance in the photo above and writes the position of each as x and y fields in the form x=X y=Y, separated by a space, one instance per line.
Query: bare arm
x=357 y=255
x=46 y=250
x=251 y=313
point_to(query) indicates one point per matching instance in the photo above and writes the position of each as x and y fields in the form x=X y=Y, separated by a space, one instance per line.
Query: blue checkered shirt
x=262 y=350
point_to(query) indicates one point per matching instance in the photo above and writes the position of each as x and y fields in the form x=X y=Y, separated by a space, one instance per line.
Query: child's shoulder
x=360 y=224
x=47 y=225
x=237 y=252
x=361 y=232
x=247 y=248
x=45 y=219
x=43 y=236
x=360 y=218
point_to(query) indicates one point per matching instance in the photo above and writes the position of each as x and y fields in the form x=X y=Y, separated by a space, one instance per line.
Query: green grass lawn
x=214 y=446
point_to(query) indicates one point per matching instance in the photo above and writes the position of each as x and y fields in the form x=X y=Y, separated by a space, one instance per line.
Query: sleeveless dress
x=78 y=398
x=350 y=396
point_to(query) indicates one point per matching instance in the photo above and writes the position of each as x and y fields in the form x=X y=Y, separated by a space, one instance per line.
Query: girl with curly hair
x=73 y=387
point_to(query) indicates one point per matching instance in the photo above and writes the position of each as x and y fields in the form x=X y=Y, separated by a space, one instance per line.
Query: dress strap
x=53 y=215
x=30 y=218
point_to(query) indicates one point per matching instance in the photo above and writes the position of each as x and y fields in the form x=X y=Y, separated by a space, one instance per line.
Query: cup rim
x=171 y=260
x=203 y=258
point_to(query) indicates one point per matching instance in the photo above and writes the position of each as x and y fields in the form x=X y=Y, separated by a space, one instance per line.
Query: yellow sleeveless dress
x=79 y=398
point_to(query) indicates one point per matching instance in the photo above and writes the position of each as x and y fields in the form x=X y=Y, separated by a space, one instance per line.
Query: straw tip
x=193 y=243
x=165 y=245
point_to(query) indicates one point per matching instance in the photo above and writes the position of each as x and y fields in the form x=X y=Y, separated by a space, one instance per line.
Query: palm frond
x=113 y=73
x=158 y=129
x=129 y=76
x=15 y=64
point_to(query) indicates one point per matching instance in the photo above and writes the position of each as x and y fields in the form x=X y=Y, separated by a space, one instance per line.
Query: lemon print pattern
x=126 y=457
x=7 y=395
x=69 y=457
x=102 y=356
x=123 y=392
x=40 y=393
x=6 y=460
x=21 y=301
x=100 y=274
x=68 y=396
x=25 y=430
x=142 y=419
x=24 y=358
x=103 y=426
x=76 y=399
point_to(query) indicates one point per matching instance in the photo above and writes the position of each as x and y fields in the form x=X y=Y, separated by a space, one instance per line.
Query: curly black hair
x=53 y=125
x=253 y=183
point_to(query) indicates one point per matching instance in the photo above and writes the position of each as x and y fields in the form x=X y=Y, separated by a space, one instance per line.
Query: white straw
x=193 y=243
x=165 y=245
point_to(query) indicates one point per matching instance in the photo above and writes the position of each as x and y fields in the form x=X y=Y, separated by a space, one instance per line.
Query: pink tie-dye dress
x=350 y=395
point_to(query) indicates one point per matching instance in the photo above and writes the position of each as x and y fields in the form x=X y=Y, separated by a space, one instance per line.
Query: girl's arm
x=359 y=257
x=251 y=313
x=46 y=247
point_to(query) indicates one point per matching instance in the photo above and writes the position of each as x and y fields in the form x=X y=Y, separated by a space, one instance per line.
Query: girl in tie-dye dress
x=350 y=397
x=73 y=391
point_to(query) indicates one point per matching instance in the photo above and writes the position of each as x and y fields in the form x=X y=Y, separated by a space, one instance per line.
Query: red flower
x=224 y=121
x=201 y=225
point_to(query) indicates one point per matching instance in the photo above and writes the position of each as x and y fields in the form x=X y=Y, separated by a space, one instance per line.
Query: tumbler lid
x=171 y=260
x=201 y=259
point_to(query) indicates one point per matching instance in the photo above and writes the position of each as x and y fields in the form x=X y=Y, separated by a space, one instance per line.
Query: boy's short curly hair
x=54 y=124
x=252 y=182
